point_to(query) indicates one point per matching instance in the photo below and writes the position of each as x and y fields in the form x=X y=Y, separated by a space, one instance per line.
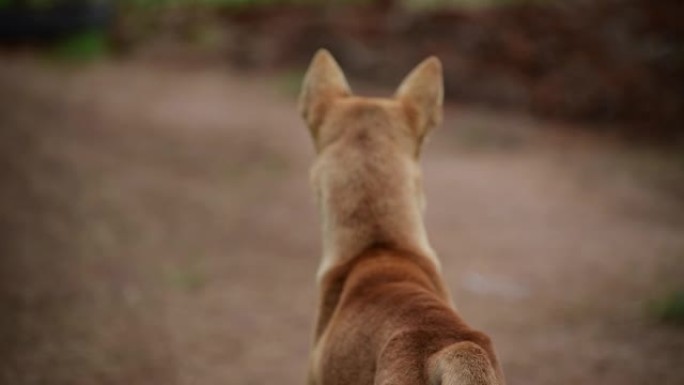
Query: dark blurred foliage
x=609 y=60
x=49 y=20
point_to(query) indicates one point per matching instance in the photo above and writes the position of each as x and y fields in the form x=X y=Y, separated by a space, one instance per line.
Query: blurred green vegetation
x=82 y=47
x=39 y=4
x=242 y=3
x=421 y=4
x=670 y=308
x=290 y=81
x=188 y=278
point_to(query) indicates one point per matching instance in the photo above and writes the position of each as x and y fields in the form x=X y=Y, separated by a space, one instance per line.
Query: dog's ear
x=323 y=83
x=422 y=94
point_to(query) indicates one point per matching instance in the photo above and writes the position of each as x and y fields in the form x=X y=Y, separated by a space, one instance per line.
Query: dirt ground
x=158 y=228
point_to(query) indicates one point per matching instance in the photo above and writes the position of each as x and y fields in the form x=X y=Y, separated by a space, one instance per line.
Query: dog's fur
x=385 y=316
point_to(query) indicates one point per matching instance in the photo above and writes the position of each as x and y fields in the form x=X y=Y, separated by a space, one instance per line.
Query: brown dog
x=385 y=315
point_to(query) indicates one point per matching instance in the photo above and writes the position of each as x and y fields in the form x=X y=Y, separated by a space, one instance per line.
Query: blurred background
x=157 y=226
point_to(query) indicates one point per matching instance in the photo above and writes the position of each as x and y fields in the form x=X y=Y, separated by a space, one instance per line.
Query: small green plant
x=187 y=278
x=670 y=308
x=84 y=46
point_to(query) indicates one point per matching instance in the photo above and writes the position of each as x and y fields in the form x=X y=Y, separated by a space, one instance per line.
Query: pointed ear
x=422 y=93
x=323 y=83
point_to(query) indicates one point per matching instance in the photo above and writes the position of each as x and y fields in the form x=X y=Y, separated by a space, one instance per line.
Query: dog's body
x=385 y=315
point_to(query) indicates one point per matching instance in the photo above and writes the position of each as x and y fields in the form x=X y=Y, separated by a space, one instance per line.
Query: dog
x=384 y=316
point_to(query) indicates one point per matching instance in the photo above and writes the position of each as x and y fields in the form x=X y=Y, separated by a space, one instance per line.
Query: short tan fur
x=385 y=315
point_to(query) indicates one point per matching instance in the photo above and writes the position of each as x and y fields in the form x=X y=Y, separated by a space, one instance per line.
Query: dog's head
x=366 y=174
x=333 y=114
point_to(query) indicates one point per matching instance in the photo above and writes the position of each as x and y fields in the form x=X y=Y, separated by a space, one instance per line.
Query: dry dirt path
x=158 y=229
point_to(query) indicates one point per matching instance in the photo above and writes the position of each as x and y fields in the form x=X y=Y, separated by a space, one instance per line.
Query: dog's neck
x=368 y=201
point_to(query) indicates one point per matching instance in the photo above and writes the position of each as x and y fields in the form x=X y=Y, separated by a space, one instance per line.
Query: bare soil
x=158 y=228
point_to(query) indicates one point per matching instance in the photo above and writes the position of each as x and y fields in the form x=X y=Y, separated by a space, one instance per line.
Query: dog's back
x=385 y=319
